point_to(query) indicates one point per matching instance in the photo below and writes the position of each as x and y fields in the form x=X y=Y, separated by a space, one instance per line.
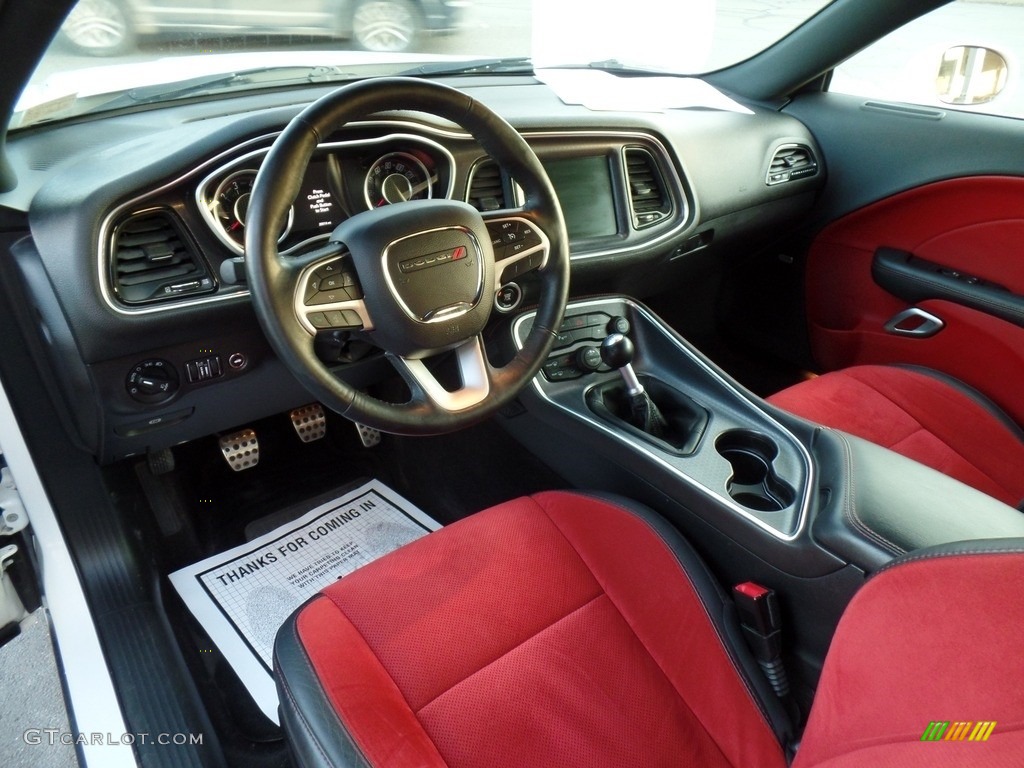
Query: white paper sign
x=242 y=596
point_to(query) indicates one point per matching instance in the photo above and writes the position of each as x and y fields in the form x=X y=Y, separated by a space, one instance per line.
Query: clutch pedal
x=309 y=422
x=241 y=450
x=368 y=435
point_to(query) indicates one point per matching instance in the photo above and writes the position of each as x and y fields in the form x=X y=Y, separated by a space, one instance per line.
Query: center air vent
x=154 y=260
x=791 y=162
x=487 y=187
x=648 y=198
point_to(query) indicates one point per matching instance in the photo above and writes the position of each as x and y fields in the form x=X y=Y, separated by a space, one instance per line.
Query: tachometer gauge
x=230 y=205
x=397 y=177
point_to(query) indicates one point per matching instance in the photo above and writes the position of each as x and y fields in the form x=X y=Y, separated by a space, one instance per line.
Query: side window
x=966 y=55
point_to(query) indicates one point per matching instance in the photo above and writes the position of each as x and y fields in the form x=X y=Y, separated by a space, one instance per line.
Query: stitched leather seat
x=922 y=415
x=566 y=630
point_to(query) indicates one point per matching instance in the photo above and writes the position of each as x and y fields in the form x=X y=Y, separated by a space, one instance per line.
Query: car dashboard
x=128 y=233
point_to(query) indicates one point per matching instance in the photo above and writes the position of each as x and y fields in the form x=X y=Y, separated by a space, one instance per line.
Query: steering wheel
x=417 y=278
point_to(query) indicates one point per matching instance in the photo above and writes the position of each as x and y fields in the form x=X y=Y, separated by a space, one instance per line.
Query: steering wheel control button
x=335 y=319
x=329 y=297
x=508 y=297
x=328 y=270
x=331 y=283
x=318 y=320
x=312 y=288
x=152 y=381
x=510 y=238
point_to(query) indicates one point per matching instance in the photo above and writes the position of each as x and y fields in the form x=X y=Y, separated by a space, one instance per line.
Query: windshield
x=115 y=53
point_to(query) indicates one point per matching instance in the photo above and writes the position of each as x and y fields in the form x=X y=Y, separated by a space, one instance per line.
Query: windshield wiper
x=213 y=83
x=615 y=66
x=516 y=64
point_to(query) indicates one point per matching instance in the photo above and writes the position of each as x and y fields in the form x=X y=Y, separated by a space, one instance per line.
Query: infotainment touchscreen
x=584 y=189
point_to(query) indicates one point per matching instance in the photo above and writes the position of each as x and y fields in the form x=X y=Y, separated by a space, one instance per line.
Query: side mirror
x=970 y=74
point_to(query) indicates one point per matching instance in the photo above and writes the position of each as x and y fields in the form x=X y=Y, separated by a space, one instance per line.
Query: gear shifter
x=617 y=352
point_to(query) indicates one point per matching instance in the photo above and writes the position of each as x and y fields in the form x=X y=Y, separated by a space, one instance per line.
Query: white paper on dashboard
x=242 y=596
x=599 y=90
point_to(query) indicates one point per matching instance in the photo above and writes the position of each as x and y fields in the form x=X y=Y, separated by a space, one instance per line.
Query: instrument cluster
x=343 y=179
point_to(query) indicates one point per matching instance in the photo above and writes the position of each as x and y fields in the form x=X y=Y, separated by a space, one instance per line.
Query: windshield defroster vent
x=791 y=162
x=154 y=260
x=648 y=199
x=488 y=188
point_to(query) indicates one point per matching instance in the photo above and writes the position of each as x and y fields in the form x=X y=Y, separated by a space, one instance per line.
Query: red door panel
x=975 y=225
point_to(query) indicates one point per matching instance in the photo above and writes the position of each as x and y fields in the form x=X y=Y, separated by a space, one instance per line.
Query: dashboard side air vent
x=791 y=162
x=648 y=198
x=488 y=187
x=153 y=259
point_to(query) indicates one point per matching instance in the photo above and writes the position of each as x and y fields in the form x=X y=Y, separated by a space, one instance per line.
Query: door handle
x=915 y=322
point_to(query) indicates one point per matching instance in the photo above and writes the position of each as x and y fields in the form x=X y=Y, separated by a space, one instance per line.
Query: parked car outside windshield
x=112 y=46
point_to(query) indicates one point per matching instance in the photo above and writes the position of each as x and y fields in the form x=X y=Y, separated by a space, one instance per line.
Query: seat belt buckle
x=758 y=610
x=759 y=615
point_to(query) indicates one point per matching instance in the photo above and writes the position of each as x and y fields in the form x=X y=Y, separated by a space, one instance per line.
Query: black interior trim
x=153 y=685
x=837 y=32
x=306 y=712
x=915 y=279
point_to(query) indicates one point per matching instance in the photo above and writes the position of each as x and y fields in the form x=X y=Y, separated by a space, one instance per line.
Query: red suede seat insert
x=920 y=417
x=553 y=630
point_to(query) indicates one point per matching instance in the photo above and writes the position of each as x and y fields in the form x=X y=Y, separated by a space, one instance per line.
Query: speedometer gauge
x=230 y=205
x=397 y=177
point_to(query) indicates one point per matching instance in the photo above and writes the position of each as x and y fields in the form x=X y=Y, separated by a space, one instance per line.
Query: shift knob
x=617 y=350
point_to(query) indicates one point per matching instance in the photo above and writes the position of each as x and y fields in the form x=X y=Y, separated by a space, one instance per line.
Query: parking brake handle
x=617 y=352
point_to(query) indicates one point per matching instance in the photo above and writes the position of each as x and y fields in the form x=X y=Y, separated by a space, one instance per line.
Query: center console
x=718 y=443
x=762 y=495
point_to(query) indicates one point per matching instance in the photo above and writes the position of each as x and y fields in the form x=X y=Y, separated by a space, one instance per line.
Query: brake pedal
x=309 y=422
x=241 y=450
x=368 y=435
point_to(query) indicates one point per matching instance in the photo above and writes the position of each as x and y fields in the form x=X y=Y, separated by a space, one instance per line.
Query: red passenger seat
x=922 y=415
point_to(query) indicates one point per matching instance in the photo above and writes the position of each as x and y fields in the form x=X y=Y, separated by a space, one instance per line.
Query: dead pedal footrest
x=241 y=449
x=309 y=422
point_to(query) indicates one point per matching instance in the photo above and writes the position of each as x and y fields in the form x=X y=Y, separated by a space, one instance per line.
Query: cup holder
x=754 y=482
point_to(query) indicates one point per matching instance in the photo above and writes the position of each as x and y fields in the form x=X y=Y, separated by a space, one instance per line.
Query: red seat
x=567 y=630
x=922 y=415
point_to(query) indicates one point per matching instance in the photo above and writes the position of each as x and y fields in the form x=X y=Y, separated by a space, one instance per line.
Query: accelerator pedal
x=241 y=450
x=369 y=436
x=309 y=422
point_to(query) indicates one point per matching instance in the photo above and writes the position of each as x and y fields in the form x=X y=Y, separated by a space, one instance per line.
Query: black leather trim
x=978 y=547
x=914 y=279
x=883 y=505
x=306 y=713
x=720 y=611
